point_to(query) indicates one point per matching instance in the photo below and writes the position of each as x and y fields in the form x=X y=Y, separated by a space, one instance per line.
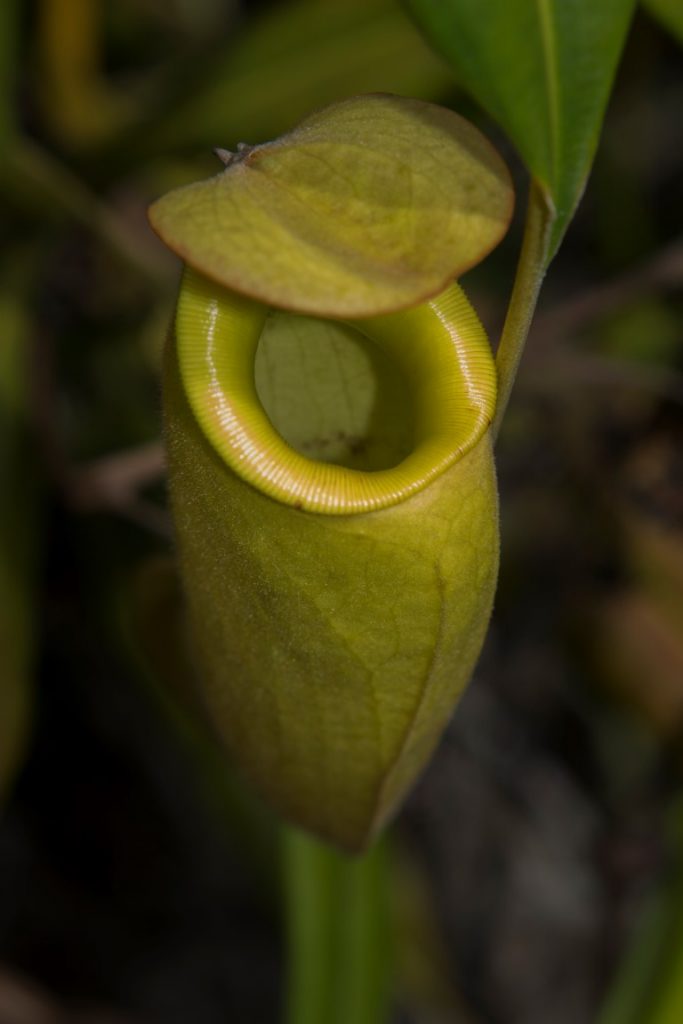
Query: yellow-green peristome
x=330 y=464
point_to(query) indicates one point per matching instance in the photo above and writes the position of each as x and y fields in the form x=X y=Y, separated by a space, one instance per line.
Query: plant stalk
x=337 y=933
x=531 y=268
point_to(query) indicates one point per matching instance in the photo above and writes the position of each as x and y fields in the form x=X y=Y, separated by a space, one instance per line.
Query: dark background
x=138 y=882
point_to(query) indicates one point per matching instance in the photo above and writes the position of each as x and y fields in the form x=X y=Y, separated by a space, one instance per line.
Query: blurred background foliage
x=537 y=869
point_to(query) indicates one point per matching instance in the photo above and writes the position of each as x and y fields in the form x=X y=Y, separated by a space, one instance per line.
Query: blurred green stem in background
x=338 y=933
x=648 y=988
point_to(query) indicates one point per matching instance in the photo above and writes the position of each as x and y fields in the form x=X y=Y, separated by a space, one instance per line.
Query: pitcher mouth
x=440 y=347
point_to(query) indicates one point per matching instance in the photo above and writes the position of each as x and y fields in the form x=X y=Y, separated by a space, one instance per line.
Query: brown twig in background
x=114 y=480
x=562 y=365
x=552 y=360
x=113 y=483
x=664 y=270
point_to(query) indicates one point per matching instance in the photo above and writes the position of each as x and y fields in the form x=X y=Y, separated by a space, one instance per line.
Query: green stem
x=337 y=934
x=533 y=260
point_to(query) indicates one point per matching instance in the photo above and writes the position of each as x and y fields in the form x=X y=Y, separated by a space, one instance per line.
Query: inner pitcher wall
x=332 y=394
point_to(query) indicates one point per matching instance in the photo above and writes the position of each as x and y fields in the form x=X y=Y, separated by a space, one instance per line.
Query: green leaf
x=669 y=13
x=543 y=69
x=371 y=205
